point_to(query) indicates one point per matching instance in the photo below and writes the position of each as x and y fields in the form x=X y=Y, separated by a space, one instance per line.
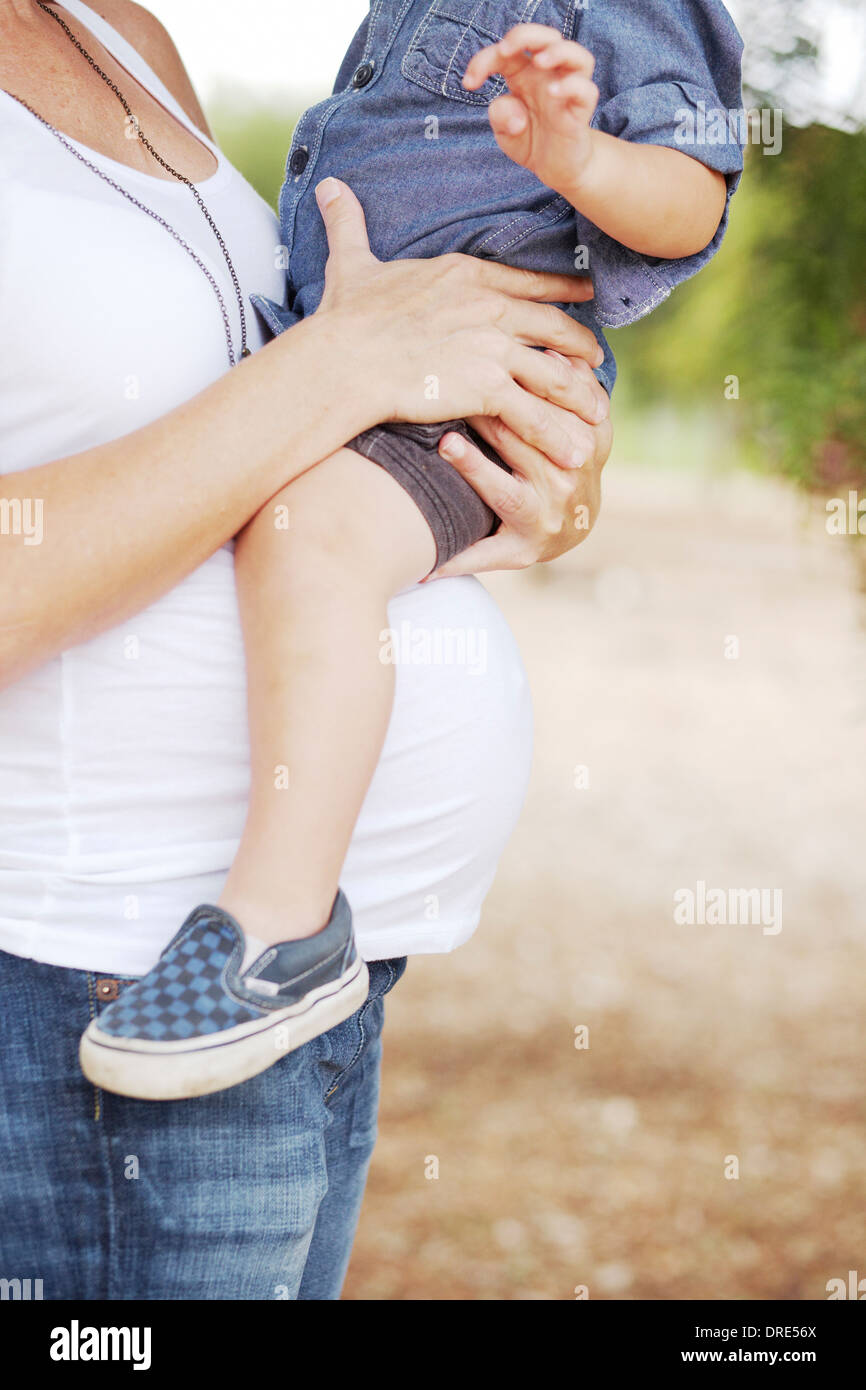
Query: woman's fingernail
x=327 y=192
x=576 y=461
x=452 y=446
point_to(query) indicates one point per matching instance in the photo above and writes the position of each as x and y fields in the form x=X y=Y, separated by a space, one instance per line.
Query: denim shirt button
x=363 y=75
x=300 y=158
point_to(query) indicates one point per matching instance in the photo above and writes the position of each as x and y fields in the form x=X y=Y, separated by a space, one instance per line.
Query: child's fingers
x=508 y=116
x=575 y=90
x=509 y=58
x=565 y=54
x=532 y=38
x=491 y=60
x=512 y=51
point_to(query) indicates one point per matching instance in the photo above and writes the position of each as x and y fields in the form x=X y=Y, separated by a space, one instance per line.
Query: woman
x=131 y=458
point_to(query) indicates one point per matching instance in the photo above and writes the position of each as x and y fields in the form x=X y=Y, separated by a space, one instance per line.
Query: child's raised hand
x=544 y=124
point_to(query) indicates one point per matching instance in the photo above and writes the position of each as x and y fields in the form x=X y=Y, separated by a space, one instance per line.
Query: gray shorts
x=452 y=509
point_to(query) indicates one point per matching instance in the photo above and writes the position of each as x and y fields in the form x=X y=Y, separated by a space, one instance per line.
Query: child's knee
x=345 y=516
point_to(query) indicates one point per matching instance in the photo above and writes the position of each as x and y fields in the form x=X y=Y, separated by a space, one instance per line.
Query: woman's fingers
x=478 y=318
x=542 y=424
x=586 y=396
x=544 y=510
x=540 y=286
x=568 y=382
x=513 y=502
x=504 y=551
x=550 y=404
x=543 y=325
x=566 y=398
x=519 y=541
x=520 y=456
x=345 y=227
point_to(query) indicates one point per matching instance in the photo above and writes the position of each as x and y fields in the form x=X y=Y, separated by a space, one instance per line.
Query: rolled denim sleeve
x=668 y=73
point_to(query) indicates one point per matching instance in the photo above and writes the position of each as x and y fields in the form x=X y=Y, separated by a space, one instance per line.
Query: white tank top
x=124 y=761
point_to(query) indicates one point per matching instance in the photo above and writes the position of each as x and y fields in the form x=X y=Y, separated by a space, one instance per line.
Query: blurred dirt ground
x=605 y=1166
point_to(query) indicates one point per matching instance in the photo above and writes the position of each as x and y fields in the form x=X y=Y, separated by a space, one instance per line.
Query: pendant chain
x=139 y=135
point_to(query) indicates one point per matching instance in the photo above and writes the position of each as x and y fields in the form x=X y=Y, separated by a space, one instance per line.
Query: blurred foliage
x=788 y=43
x=256 y=140
x=782 y=308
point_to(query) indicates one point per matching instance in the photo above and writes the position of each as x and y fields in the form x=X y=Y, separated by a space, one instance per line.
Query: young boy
x=561 y=144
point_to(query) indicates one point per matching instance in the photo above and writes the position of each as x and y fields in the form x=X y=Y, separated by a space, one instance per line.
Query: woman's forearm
x=125 y=522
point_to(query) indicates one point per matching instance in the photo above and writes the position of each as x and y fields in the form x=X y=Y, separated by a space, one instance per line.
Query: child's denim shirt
x=418 y=151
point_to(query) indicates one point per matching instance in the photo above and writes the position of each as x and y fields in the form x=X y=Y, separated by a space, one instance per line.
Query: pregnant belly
x=130 y=744
x=124 y=776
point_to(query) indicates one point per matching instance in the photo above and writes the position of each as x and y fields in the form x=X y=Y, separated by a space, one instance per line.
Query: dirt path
x=605 y=1166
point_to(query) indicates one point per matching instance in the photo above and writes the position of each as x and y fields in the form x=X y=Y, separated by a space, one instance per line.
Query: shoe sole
x=198 y=1066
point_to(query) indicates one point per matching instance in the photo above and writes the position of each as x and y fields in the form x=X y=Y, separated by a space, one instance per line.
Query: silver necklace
x=136 y=202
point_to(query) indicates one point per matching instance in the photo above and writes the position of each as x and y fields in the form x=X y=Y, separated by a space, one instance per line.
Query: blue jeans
x=251 y=1193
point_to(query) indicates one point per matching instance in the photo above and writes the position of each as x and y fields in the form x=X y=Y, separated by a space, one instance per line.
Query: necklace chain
x=144 y=208
x=182 y=178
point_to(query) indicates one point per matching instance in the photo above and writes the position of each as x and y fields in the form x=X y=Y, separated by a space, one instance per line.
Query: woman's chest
x=92 y=98
x=116 y=302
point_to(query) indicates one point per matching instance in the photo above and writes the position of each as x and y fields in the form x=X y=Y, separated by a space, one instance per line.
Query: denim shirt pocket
x=453 y=31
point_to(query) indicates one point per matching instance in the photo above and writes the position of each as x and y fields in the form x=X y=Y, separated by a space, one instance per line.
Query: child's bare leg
x=313 y=602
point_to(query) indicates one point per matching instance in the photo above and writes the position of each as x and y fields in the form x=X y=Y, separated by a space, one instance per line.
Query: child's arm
x=655 y=200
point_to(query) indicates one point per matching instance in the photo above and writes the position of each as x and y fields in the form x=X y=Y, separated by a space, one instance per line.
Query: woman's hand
x=454 y=337
x=545 y=510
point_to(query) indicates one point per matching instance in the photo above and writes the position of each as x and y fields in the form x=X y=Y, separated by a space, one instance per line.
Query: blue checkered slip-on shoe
x=205 y=1017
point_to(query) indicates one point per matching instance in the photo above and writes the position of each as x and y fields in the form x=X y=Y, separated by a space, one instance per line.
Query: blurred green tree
x=256 y=140
x=783 y=308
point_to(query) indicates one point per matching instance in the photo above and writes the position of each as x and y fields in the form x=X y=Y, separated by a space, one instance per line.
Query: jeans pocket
x=396 y=968
x=349 y=1041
